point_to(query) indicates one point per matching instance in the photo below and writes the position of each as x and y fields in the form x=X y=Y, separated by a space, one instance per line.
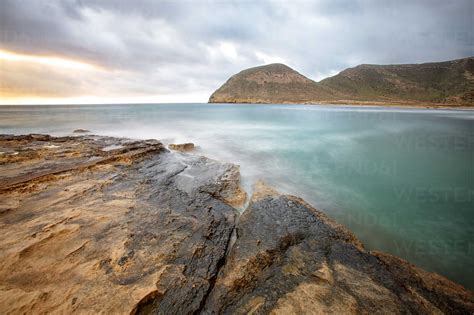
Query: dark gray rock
x=81 y=131
x=290 y=258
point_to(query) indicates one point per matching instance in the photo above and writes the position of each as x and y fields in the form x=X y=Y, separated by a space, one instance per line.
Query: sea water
x=401 y=179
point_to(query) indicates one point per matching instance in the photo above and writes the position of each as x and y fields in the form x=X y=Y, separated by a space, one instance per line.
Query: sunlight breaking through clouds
x=47 y=60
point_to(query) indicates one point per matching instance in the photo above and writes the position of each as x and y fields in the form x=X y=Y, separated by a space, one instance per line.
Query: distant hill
x=274 y=83
x=439 y=83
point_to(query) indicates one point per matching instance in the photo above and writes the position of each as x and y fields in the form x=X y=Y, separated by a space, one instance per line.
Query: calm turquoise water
x=402 y=180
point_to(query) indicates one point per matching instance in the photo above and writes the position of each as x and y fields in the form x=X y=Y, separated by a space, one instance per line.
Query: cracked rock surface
x=289 y=258
x=96 y=224
x=105 y=225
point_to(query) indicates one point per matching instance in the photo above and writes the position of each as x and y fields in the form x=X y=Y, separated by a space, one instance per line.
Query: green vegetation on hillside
x=441 y=82
x=450 y=83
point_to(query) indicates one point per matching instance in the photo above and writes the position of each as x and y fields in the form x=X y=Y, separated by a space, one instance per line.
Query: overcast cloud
x=183 y=50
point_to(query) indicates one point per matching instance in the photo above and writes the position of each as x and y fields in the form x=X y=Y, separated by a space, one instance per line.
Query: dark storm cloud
x=191 y=46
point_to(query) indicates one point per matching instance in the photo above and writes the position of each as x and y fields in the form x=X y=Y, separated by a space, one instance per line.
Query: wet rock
x=183 y=147
x=289 y=258
x=105 y=225
x=135 y=229
x=81 y=131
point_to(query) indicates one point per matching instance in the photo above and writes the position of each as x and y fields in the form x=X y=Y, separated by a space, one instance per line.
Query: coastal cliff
x=96 y=224
x=447 y=83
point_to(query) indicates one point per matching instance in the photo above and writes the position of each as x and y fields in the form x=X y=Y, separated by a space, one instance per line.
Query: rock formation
x=289 y=258
x=133 y=229
x=182 y=147
x=141 y=230
x=437 y=83
x=81 y=131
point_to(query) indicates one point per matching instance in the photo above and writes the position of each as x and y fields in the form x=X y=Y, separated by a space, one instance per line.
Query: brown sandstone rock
x=127 y=230
x=105 y=225
x=183 y=147
x=290 y=258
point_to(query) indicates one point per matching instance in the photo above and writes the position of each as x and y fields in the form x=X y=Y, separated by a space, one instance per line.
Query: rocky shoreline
x=96 y=224
x=356 y=103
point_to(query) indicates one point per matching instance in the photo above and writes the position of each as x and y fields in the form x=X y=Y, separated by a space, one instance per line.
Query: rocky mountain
x=439 y=83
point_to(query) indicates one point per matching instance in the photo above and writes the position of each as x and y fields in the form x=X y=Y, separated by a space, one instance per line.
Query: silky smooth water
x=401 y=179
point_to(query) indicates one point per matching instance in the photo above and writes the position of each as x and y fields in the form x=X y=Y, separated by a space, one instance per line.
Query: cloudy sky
x=80 y=51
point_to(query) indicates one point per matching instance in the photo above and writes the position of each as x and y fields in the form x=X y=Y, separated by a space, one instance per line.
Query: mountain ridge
x=435 y=83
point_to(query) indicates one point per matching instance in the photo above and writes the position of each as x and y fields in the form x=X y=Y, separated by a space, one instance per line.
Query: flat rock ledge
x=113 y=226
x=105 y=225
